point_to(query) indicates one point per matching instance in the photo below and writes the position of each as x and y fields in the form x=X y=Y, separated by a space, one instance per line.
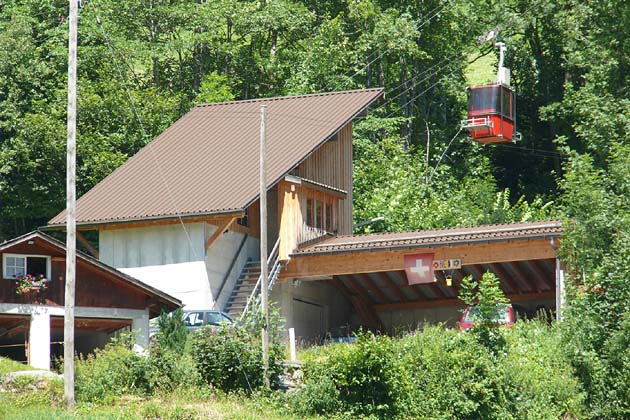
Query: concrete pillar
x=39 y=340
x=140 y=328
x=559 y=290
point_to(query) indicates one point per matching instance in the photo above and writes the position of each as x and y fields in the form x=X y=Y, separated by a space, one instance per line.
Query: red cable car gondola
x=491 y=109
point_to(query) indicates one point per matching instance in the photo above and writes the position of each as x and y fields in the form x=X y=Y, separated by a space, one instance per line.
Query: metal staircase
x=246 y=292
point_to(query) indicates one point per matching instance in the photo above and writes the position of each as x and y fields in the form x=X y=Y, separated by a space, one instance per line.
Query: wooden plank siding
x=94 y=287
x=292 y=214
x=331 y=165
x=340 y=263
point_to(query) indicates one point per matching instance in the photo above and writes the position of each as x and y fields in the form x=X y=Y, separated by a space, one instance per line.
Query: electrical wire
x=421 y=24
x=144 y=133
x=443 y=153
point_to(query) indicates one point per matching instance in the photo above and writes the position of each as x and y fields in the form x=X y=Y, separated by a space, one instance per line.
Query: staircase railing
x=274 y=266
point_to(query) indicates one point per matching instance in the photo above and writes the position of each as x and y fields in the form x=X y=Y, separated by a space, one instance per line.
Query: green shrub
x=112 y=371
x=230 y=357
x=172 y=332
x=365 y=378
x=443 y=374
x=452 y=375
x=169 y=369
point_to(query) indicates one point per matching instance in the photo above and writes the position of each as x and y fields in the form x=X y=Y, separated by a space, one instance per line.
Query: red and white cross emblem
x=419 y=268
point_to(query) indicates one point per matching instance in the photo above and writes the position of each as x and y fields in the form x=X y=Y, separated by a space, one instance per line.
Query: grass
x=8 y=365
x=186 y=404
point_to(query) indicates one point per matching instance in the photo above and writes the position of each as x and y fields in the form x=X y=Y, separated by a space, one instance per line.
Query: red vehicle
x=504 y=315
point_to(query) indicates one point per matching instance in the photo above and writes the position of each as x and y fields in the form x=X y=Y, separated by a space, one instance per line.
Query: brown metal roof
x=430 y=238
x=207 y=161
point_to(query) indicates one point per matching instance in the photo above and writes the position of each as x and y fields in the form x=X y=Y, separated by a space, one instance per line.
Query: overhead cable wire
x=144 y=132
x=421 y=24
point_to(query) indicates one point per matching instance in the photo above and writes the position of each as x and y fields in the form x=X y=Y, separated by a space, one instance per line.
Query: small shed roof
x=207 y=162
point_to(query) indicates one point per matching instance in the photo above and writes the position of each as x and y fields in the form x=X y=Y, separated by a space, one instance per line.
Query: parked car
x=198 y=318
x=195 y=319
x=504 y=315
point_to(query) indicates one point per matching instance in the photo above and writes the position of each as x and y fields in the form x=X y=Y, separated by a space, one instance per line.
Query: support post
x=68 y=324
x=559 y=290
x=39 y=340
x=264 y=267
x=292 y=344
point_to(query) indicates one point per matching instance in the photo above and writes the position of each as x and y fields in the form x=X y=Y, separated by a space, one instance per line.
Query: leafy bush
x=117 y=369
x=169 y=369
x=111 y=372
x=486 y=295
x=230 y=357
x=439 y=373
x=172 y=332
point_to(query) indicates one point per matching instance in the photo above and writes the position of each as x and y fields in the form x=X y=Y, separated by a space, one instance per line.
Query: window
x=309 y=212
x=19 y=265
x=319 y=215
x=329 y=217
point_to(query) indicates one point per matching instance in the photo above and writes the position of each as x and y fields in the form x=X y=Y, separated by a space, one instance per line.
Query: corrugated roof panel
x=207 y=161
x=435 y=237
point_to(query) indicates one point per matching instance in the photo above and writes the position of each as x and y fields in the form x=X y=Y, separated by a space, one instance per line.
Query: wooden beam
x=357 y=289
x=522 y=277
x=359 y=302
x=306 y=266
x=505 y=277
x=476 y=272
x=221 y=227
x=540 y=272
x=336 y=282
x=93 y=251
x=366 y=278
x=437 y=303
x=391 y=284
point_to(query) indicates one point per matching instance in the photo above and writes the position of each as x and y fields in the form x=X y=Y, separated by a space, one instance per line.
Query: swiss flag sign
x=419 y=268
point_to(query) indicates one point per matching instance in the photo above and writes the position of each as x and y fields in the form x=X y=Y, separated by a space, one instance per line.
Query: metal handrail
x=273 y=257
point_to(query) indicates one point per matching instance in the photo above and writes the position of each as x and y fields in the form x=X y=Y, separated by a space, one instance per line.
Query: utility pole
x=264 y=267
x=68 y=320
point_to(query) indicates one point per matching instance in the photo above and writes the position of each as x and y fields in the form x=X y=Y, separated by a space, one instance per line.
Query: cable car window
x=483 y=99
x=506 y=103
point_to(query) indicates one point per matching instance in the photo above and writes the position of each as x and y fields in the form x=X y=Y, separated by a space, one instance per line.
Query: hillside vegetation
x=148 y=62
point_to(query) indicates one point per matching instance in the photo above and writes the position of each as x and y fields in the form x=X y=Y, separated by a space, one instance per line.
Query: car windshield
x=501 y=314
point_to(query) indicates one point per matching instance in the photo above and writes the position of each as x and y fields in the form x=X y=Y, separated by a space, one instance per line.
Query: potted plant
x=30 y=283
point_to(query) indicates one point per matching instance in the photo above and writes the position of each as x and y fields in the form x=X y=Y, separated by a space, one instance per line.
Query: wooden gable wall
x=331 y=165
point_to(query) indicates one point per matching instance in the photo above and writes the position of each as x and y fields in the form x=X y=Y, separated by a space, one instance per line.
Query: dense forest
x=143 y=64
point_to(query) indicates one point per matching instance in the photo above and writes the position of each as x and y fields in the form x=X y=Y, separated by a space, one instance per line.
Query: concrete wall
x=175 y=260
x=290 y=296
x=219 y=258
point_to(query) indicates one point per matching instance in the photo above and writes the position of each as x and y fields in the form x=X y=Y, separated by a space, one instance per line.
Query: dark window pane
x=193 y=319
x=36 y=266
x=329 y=217
x=484 y=99
x=319 y=215
x=309 y=212
x=507 y=103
